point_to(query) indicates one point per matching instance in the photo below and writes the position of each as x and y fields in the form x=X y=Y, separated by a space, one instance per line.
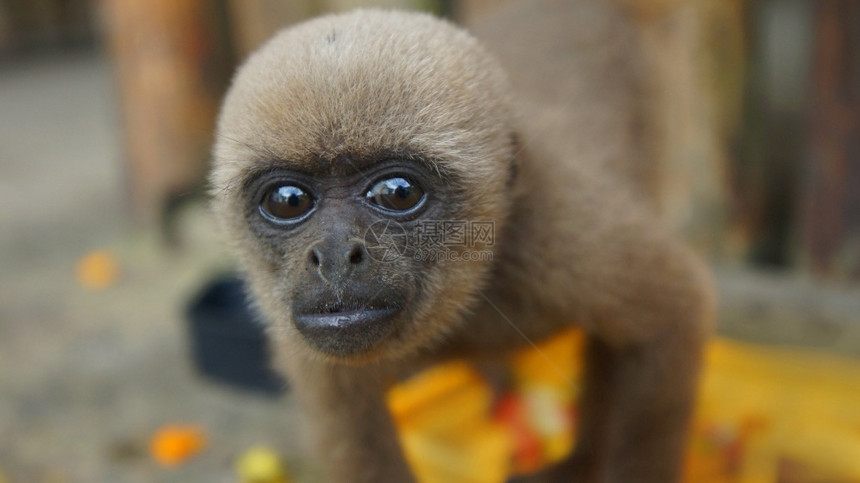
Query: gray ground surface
x=86 y=377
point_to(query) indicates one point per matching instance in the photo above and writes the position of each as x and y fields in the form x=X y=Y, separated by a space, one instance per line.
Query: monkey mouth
x=345 y=318
x=344 y=331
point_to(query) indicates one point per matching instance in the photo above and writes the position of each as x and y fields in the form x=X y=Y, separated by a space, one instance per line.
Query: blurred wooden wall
x=34 y=26
x=768 y=152
x=796 y=167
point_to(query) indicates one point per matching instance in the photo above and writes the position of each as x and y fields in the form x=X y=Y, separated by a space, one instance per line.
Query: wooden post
x=765 y=173
x=172 y=61
x=831 y=196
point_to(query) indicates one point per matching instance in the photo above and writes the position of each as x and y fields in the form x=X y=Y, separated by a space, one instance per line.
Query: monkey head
x=342 y=142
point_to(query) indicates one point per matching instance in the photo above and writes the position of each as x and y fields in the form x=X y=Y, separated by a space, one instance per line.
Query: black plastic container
x=228 y=343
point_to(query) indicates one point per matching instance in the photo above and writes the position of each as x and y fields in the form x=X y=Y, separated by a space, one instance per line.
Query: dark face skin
x=342 y=246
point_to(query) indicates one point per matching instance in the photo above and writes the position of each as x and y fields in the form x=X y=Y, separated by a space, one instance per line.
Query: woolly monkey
x=397 y=197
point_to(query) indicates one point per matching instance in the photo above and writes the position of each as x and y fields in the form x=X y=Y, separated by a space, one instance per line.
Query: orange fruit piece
x=98 y=270
x=174 y=444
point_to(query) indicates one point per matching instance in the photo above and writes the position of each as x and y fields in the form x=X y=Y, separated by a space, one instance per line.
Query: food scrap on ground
x=98 y=270
x=175 y=444
x=261 y=464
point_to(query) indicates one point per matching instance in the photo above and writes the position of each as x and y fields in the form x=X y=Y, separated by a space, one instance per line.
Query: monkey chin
x=346 y=354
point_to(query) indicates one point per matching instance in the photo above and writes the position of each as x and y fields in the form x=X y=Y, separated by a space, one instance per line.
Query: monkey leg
x=635 y=407
x=635 y=410
x=639 y=386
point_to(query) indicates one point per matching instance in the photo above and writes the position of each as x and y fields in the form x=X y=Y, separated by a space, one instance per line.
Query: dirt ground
x=87 y=376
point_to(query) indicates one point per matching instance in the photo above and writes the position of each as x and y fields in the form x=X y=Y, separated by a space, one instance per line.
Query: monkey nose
x=337 y=259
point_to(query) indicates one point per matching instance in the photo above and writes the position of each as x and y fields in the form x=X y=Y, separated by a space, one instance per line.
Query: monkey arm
x=635 y=408
x=585 y=252
x=354 y=436
x=645 y=336
x=642 y=361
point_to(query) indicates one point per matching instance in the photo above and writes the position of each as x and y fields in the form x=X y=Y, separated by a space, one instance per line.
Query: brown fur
x=576 y=243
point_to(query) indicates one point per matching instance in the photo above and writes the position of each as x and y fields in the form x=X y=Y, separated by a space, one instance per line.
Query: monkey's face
x=346 y=249
x=362 y=171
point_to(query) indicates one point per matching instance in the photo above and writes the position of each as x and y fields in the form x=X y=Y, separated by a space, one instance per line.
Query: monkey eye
x=286 y=203
x=395 y=194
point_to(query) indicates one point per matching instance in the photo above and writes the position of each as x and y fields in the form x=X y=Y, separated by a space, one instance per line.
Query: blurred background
x=107 y=250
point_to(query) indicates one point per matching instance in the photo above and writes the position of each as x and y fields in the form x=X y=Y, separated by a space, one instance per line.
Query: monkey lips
x=346 y=330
